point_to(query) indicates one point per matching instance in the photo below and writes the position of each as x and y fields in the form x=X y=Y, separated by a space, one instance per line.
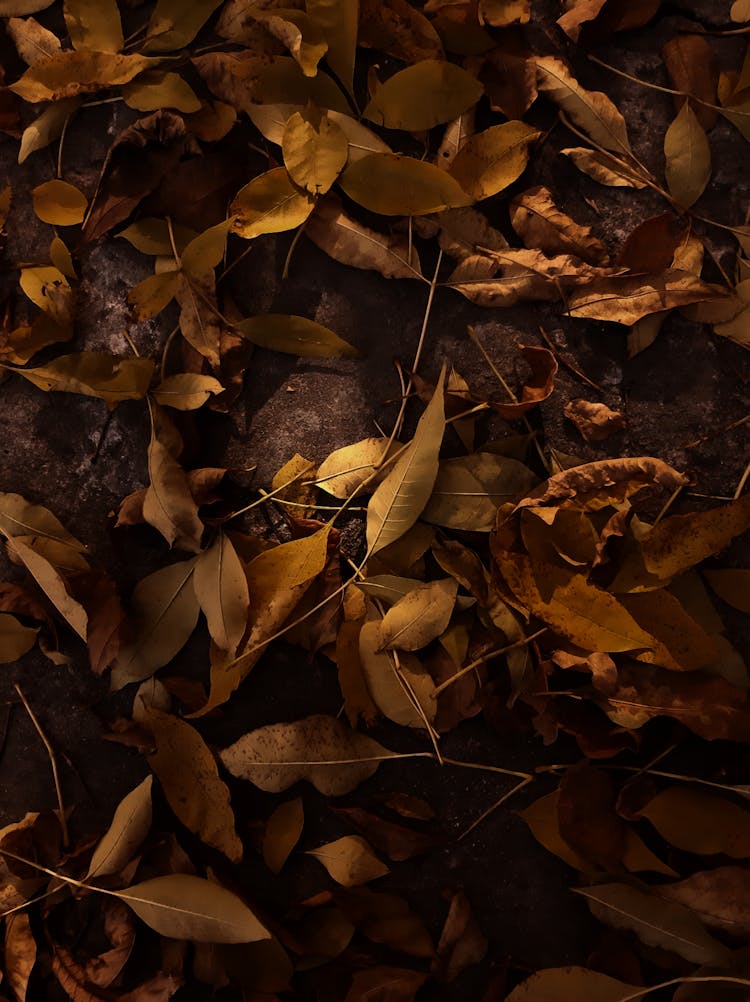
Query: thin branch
x=53 y=764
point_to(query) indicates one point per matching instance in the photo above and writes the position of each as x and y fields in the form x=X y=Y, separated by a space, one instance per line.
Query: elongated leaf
x=130 y=825
x=491 y=160
x=345 y=470
x=337 y=21
x=174 y=23
x=603 y=169
x=420 y=616
x=165 y=612
x=94 y=374
x=67 y=74
x=401 y=497
x=320 y=749
x=47 y=127
x=346 y=240
x=20 y=954
x=270 y=203
x=626 y=299
x=18 y=517
x=401 y=186
x=294 y=336
x=169 y=504
x=187 y=772
x=559 y=983
x=403 y=690
x=52 y=584
x=350 y=861
x=688 y=156
x=182 y=906
x=700 y=822
x=298 y=32
x=15 y=638
x=718 y=897
x=590 y=110
x=271 y=120
x=221 y=589
x=186 y=391
x=469 y=489
x=424 y=95
x=540 y=223
x=657 y=923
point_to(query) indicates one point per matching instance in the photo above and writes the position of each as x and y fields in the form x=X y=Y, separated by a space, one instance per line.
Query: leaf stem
x=486 y=657
x=53 y=764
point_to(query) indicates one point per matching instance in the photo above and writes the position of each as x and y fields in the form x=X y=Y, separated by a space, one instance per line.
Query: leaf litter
x=583 y=598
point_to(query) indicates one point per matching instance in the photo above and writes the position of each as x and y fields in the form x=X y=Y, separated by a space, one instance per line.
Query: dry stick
x=490 y=810
x=62 y=144
x=487 y=657
x=292 y=246
x=668 y=503
x=715 y=434
x=53 y=764
x=561 y=766
x=689 y=980
x=568 y=365
x=741 y=484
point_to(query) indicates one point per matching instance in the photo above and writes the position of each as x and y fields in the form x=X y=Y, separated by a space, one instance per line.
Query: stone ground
x=62 y=451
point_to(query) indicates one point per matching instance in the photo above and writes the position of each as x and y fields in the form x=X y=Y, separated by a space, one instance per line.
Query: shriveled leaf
x=540 y=223
x=419 y=617
x=189 y=777
x=626 y=299
x=15 y=638
x=350 y=861
x=594 y=420
x=429 y=93
x=182 y=906
x=174 y=24
x=164 y=612
x=270 y=203
x=489 y=161
x=282 y=833
x=320 y=749
x=401 y=186
x=603 y=168
x=297 y=31
x=94 y=374
x=59 y=203
x=221 y=589
x=67 y=74
x=52 y=583
x=401 y=497
x=345 y=470
x=130 y=825
x=294 y=336
x=402 y=688
x=688 y=156
x=315 y=150
x=350 y=242
x=590 y=110
x=656 y=923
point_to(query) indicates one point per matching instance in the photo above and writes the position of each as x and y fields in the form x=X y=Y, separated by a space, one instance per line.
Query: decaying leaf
x=540 y=223
x=491 y=160
x=593 y=419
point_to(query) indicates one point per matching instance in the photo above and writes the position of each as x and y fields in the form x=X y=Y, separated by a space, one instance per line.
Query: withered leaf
x=394 y=841
x=469 y=490
x=94 y=24
x=489 y=161
x=593 y=21
x=603 y=168
x=396 y=984
x=168 y=504
x=691 y=64
x=571 y=982
x=350 y=861
x=594 y=420
x=540 y=223
x=20 y=954
x=626 y=299
x=700 y=822
x=221 y=589
x=718 y=897
x=462 y=943
x=419 y=617
x=315 y=150
x=688 y=157
x=173 y=25
x=94 y=374
x=401 y=688
x=130 y=825
x=67 y=74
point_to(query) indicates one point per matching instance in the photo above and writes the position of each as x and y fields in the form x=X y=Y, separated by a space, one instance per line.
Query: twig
x=743 y=481
x=568 y=365
x=486 y=657
x=719 y=431
x=490 y=810
x=53 y=764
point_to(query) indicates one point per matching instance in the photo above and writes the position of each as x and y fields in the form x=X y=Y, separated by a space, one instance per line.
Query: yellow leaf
x=350 y=861
x=69 y=73
x=590 y=110
x=500 y=13
x=186 y=391
x=401 y=497
x=33 y=42
x=130 y=825
x=732 y=587
x=164 y=614
x=175 y=23
x=429 y=93
x=52 y=584
x=206 y=251
x=47 y=127
x=558 y=983
x=469 y=489
x=182 y=906
x=94 y=374
x=315 y=150
x=169 y=504
x=338 y=22
x=153 y=294
x=94 y=24
x=401 y=186
x=403 y=691
x=282 y=833
x=61 y=258
x=346 y=469
x=151 y=236
x=294 y=336
x=271 y=120
x=688 y=156
x=491 y=160
x=59 y=203
x=700 y=822
x=15 y=639
x=159 y=89
x=419 y=617
x=39 y=284
x=18 y=517
x=297 y=31
x=221 y=589
x=320 y=749
x=270 y=203
x=187 y=772
x=11 y=8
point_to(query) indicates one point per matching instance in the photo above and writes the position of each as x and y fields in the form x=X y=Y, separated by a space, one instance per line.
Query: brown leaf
x=651 y=246
x=541 y=224
x=67 y=74
x=168 y=504
x=593 y=419
x=508 y=73
x=139 y=158
x=462 y=943
x=692 y=67
x=395 y=27
x=386 y=984
x=720 y=898
x=591 y=22
x=587 y=817
x=394 y=841
x=282 y=833
x=626 y=299
x=97 y=593
x=387 y=919
x=20 y=954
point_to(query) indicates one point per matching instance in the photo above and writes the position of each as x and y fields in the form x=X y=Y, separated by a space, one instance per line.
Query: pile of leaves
x=496 y=577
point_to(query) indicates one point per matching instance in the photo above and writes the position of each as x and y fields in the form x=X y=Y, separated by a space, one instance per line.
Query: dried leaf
x=692 y=68
x=186 y=391
x=462 y=943
x=397 y=28
x=489 y=161
x=337 y=20
x=718 y=897
x=347 y=469
x=164 y=613
x=391 y=984
x=350 y=861
x=401 y=689
x=657 y=923
x=700 y=822
x=157 y=89
x=68 y=74
x=319 y=749
x=539 y=223
x=419 y=617
x=399 y=500
x=168 y=504
x=298 y=32
x=129 y=827
x=732 y=587
x=590 y=110
x=294 y=336
x=593 y=21
x=94 y=24
x=571 y=983
x=282 y=833
x=15 y=639
x=688 y=157
x=394 y=841
x=401 y=186
x=221 y=589
x=188 y=774
x=603 y=168
x=33 y=42
x=173 y=24
x=94 y=374
x=19 y=517
x=182 y=906
x=47 y=127
x=270 y=203
x=20 y=954
x=429 y=93
x=315 y=150
x=594 y=420
x=59 y=203
x=52 y=583
x=626 y=299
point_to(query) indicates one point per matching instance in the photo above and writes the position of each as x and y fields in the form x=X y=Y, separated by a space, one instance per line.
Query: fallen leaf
x=401 y=497
x=390 y=984
x=33 y=42
x=688 y=157
x=593 y=419
x=402 y=689
x=718 y=897
x=158 y=89
x=419 y=617
x=47 y=127
x=593 y=21
x=19 y=517
x=20 y=954
x=626 y=299
x=15 y=638
x=182 y=906
x=571 y=982
x=294 y=336
x=68 y=74
x=501 y=13
x=59 y=203
x=337 y=20
x=399 y=29
x=94 y=374
x=489 y=161
x=540 y=223
x=394 y=841
x=462 y=943
x=173 y=25
x=401 y=186
x=298 y=32
x=429 y=93
x=129 y=827
x=94 y=24
x=186 y=391
x=221 y=589
x=732 y=587
x=168 y=504
x=315 y=150
x=700 y=822
x=350 y=861
x=282 y=833
x=270 y=203
x=603 y=168
x=692 y=69
x=52 y=583
x=346 y=470
x=319 y=749
x=537 y=388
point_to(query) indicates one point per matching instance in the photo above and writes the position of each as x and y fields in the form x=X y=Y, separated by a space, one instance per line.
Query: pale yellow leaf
x=221 y=589
x=315 y=150
x=350 y=861
x=401 y=689
x=491 y=160
x=270 y=203
x=130 y=825
x=420 y=616
x=346 y=469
